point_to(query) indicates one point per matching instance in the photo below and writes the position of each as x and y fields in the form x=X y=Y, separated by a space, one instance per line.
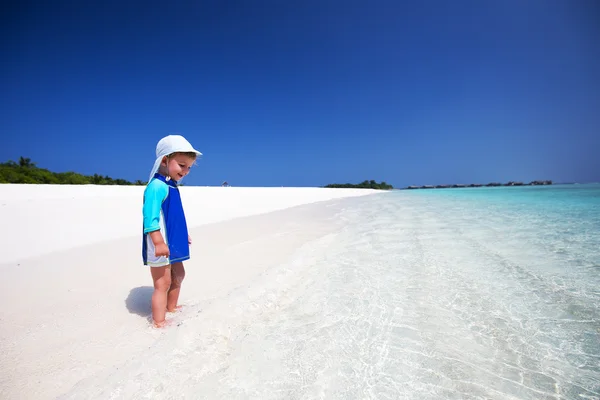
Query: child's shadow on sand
x=139 y=301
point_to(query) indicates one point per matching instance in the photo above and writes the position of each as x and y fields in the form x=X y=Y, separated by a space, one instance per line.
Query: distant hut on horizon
x=225 y=184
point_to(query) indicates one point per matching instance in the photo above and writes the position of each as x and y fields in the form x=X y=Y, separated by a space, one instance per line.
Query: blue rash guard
x=163 y=211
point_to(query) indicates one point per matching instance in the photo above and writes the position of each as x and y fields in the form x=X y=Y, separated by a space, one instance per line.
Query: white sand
x=75 y=294
x=49 y=218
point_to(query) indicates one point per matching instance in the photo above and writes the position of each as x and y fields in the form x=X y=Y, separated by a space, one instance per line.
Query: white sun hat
x=169 y=145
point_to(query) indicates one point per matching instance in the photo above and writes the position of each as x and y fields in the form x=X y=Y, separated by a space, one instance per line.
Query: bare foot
x=177 y=308
x=161 y=324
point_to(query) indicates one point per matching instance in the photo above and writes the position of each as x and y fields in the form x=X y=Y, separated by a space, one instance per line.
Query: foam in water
x=454 y=294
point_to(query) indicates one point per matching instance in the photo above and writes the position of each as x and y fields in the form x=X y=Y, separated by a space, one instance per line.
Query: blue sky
x=305 y=93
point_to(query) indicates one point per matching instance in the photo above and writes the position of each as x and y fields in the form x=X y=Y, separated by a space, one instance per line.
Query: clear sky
x=305 y=93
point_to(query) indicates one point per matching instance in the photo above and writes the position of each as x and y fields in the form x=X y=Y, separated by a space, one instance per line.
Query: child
x=166 y=243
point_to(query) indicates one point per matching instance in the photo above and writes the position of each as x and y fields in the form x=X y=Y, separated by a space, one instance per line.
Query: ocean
x=477 y=293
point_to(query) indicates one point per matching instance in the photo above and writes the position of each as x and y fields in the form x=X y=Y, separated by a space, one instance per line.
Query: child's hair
x=190 y=154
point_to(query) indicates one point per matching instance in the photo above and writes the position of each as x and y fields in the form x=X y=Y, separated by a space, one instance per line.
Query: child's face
x=178 y=166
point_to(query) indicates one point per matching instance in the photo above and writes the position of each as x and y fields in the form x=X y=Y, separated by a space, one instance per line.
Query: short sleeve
x=155 y=193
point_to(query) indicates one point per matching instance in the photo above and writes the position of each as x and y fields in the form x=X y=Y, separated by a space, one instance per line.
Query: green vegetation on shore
x=491 y=184
x=27 y=172
x=363 y=185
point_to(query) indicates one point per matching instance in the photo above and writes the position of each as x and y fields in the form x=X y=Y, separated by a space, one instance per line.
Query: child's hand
x=161 y=249
x=189 y=239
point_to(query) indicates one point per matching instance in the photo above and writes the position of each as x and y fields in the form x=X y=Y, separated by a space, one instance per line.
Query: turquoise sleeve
x=156 y=192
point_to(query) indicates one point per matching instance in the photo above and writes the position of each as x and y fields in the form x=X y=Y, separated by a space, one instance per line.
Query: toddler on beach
x=166 y=242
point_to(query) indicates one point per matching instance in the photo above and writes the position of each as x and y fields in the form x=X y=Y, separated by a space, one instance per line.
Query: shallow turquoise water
x=442 y=294
x=558 y=223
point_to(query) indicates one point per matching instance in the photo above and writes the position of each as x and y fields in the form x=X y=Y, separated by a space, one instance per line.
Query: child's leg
x=162 y=281
x=177 y=275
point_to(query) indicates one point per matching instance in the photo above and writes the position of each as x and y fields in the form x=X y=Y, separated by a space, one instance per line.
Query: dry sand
x=75 y=293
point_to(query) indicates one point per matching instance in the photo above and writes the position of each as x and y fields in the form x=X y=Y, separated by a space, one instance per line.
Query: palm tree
x=25 y=162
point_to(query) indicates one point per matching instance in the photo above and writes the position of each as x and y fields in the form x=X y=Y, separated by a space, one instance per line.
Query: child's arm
x=160 y=247
x=154 y=195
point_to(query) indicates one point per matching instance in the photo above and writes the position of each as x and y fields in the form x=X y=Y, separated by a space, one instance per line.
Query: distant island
x=472 y=185
x=363 y=185
x=26 y=171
